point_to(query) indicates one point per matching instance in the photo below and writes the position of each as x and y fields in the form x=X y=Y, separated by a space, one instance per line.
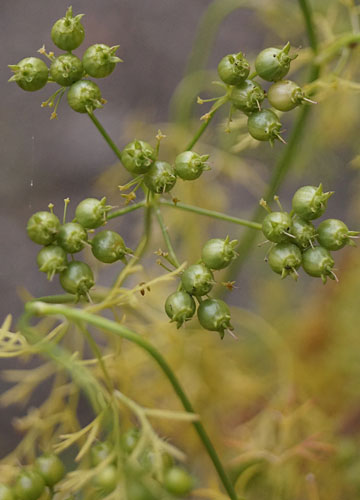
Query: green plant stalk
x=309 y=23
x=126 y=210
x=97 y=353
x=211 y=213
x=199 y=133
x=43 y=309
x=285 y=162
x=148 y=212
x=105 y=135
x=172 y=254
x=332 y=50
x=139 y=252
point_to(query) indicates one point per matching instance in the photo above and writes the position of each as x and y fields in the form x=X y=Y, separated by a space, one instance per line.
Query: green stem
x=333 y=50
x=97 y=353
x=126 y=210
x=140 y=250
x=64 y=298
x=172 y=255
x=212 y=213
x=105 y=135
x=309 y=23
x=287 y=158
x=199 y=133
x=42 y=309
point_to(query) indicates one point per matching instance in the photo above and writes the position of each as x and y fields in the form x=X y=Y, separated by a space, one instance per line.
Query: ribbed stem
x=105 y=135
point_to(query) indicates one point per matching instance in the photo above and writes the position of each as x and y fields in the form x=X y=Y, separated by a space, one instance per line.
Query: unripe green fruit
x=309 y=202
x=66 y=70
x=84 y=96
x=264 y=125
x=29 y=485
x=148 y=460
x=130 y=439
x=51 y=469
x=197 y=280
x=277 y=226
x=233 y=69
x=99 y=452
x=108 y=247
x=99 y=60
x=180 y=307
x=137 y=157
x=106 y=480
x=218 y=253
x=51 y=260
x=285 y=95
x=68 y=32
x=273 y=64
x=77 y=278
x=178 y=482
x=30 y=74
x=214 y=315
x=189 y=165
x=304 y=232
x=247 y=96
x=318 y=262
x=72 y=237
x=160 y=178
x=285 y=259
x=91 y=212
x=42 y=228
x=333 y=234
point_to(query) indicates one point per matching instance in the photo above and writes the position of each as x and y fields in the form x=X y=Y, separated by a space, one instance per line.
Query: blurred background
x=299 y=341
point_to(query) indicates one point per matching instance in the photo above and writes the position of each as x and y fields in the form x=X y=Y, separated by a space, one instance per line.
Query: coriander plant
x=172 y=306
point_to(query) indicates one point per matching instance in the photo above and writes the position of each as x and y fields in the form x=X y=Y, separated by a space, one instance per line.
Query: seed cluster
x=44 y=477
x=31 y=483
x=247 y=95
x=68 y=70
x=141 y=160
x=294 y=236
x=59 y=240
x=176 y=480
x=197 y=281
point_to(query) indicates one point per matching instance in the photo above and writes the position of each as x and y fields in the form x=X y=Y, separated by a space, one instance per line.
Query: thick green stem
x=172 y=255
x=105 y=135
x=212 y=213
x=42 y=309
